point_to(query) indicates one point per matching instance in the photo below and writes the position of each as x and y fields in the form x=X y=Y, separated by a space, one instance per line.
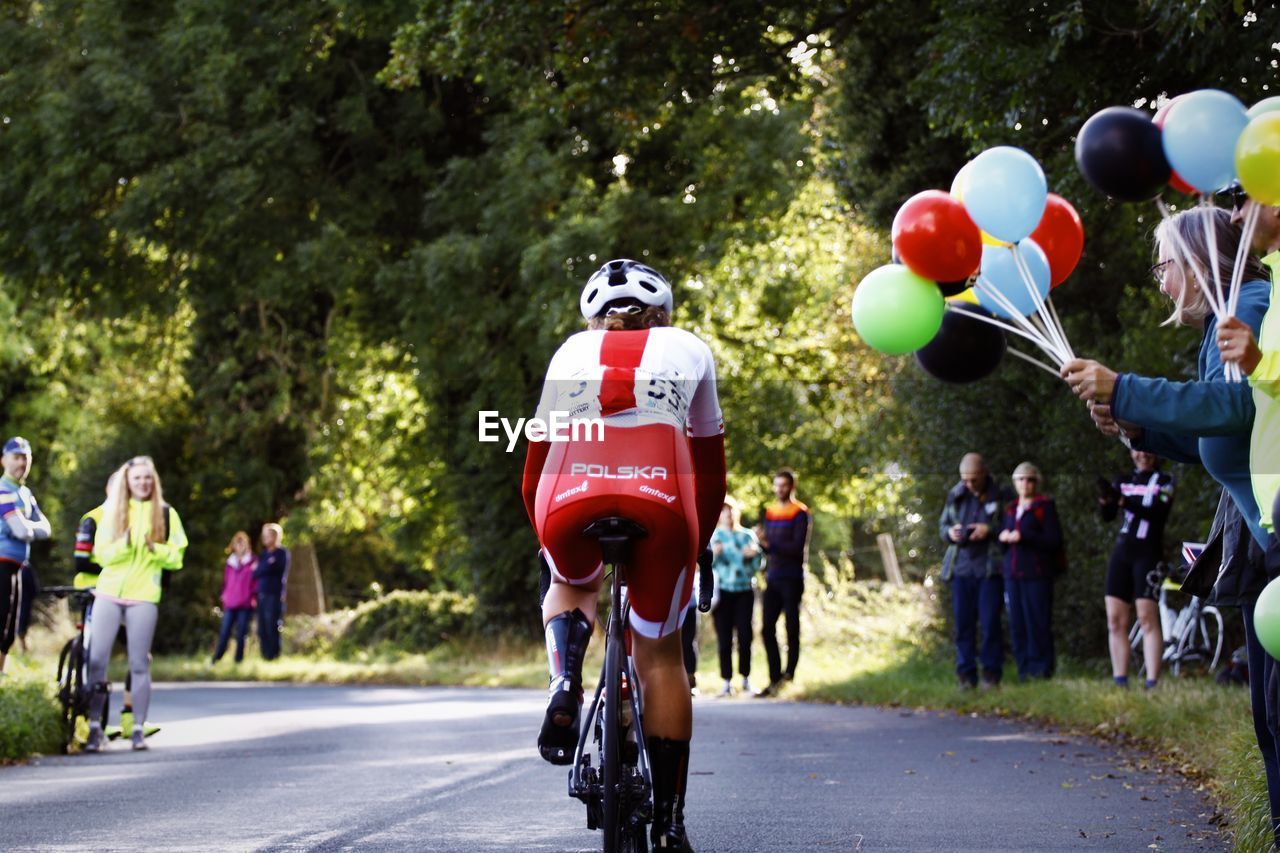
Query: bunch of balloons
x=994 y=247
x=1198 y=143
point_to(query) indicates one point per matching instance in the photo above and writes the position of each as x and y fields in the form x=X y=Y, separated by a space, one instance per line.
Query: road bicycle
x=618 y=789
x=74 y=693
x=1193 y=634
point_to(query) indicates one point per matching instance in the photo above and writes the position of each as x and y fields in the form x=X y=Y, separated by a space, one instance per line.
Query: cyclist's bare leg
x=668 y=707
x=1119 y=618
x=566 y=597
x=668 y=722
x=1152 y=636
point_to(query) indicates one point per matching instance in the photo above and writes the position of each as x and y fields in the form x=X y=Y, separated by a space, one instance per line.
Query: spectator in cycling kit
x=970 y=521
x=1144 y=496
x=736 y=558
x=660 y=463
x=272 y=577
x=139 y=538
x=784 y=538
x=238 y=588
x=22 y=523
x=86 y=564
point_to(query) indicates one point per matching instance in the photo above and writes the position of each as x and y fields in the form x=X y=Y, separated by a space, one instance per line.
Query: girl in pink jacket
x=238 y=594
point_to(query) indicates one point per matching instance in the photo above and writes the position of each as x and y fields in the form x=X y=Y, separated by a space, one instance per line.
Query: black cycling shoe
x=559 y=735
x=567 y=638
x=669 y=763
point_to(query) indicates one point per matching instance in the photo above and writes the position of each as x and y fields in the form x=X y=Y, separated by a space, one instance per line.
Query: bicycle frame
x=586 y=789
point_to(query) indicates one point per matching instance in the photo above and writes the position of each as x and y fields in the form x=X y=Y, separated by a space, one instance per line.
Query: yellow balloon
x=988 y=240
x=968 y=295
x=1258 y=158
x=1266 y=105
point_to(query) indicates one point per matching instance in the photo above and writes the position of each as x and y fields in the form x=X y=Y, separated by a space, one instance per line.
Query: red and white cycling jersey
x=655 y=391
x=656 y=376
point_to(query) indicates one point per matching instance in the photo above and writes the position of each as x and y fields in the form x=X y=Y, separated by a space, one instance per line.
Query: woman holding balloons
x=1206 y=421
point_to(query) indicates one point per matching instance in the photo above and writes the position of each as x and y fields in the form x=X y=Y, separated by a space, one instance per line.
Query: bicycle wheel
x=70 y=688
x=1211 y=637
x=611 y=752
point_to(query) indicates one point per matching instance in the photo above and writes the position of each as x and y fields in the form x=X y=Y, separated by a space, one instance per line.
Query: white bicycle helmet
x=624 y=279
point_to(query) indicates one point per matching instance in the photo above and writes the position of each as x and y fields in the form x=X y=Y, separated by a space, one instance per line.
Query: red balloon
x=935 y=237
x=1061 y=235
x=1175 y=180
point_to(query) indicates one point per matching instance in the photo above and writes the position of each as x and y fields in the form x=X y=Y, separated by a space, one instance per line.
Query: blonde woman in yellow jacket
x=138 y=539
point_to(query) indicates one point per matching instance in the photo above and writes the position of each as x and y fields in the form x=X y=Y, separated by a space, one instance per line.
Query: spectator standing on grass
x=272 y=575
x=21 y=523
x=1033 y=543
x=784 y=538
x=238 y=588
x=1144 y=496
x=971 y=520
x=737 y=557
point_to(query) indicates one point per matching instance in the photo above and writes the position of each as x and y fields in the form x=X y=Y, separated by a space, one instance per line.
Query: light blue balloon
x=1005 y=192
x=1200 y=136
x=999 y=272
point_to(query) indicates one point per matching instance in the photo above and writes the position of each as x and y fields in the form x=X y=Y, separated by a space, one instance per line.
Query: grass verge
x=29 y=713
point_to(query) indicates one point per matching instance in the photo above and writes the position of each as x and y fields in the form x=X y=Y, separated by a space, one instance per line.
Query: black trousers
x=782 y=596
x=10 y=602
x=733 y=615
x=689 y=639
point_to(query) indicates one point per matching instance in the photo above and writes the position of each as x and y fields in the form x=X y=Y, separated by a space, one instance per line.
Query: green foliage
x=406 y=621
x=29 y=716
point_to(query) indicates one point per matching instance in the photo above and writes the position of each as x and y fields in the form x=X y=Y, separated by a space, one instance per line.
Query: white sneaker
x=139 y=738
x=746 y=685
x=727 y=690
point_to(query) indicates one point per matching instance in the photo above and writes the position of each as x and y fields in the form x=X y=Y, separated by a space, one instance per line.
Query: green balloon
x=1266 y=105
x=1266 y=618
x=896 y=311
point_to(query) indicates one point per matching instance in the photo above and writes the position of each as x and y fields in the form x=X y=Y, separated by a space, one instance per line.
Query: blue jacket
x=786 y=529
x=972 y=559
x=1036 y=555
x=272 y=572
x=15 y=498
x=1207 y=421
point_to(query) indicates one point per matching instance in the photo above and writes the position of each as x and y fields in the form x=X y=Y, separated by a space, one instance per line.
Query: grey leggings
x=139 y=619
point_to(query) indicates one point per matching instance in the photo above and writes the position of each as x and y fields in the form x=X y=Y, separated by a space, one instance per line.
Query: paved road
x=253 y=767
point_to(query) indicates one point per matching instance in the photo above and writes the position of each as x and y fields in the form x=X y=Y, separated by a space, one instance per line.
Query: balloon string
x=1242 y=255
x=1053 y=329
x=1037 y=362
x=1030 y=332
x=1028 y=329
x=1001 y=325
x=1210 y=222
x=1048 y=300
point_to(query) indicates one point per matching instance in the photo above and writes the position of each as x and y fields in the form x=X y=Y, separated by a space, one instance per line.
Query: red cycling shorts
x=642 y=473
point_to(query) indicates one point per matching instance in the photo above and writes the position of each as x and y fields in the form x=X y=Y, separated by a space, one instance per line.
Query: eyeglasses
x=1157 y=270
x=1027 y=479
x=1238 y=197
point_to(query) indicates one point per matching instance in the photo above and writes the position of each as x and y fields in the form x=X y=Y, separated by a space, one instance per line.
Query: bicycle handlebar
x=705 y=580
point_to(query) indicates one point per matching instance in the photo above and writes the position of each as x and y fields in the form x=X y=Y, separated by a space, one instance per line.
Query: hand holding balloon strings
x=1237 y=345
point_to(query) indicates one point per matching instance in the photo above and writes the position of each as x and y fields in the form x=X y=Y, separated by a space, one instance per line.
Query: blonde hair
x=735 y=510
x=115 y=512
x=277 y=530
x=1188 y=229
x=240 y=536
x=1026 y=469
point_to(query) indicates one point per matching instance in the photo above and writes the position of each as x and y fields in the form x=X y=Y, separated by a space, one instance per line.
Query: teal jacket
x=734 y=571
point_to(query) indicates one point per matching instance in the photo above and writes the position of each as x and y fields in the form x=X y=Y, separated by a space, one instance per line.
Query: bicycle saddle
x=614 y=526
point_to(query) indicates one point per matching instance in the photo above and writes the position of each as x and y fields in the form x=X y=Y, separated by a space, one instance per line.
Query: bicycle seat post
x=615 y=535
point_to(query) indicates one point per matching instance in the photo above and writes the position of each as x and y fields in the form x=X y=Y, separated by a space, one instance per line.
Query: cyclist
x=22 y=524
x=140 y=538
x=660 y=462
x=1145 y=495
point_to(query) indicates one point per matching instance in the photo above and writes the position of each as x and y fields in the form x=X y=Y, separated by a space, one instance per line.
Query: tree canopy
x=291 y=251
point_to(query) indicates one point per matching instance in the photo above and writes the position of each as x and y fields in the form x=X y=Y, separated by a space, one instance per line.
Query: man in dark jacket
x=784 y=537
x=969 y=522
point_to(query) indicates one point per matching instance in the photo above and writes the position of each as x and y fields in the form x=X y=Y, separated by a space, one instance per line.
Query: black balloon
x=965 y=349
x=1120 y=152
x=954 y=288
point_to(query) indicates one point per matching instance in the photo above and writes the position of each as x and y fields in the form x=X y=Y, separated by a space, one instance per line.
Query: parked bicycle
x=73 y=665
x=1193 y=634
x=618 y=789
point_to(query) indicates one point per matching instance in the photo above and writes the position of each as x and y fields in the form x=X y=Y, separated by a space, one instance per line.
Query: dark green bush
x=407 y=620
x=29 y=717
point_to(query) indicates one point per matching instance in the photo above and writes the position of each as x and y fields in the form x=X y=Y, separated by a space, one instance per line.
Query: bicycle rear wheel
x=70 y=688
x=611 y=746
